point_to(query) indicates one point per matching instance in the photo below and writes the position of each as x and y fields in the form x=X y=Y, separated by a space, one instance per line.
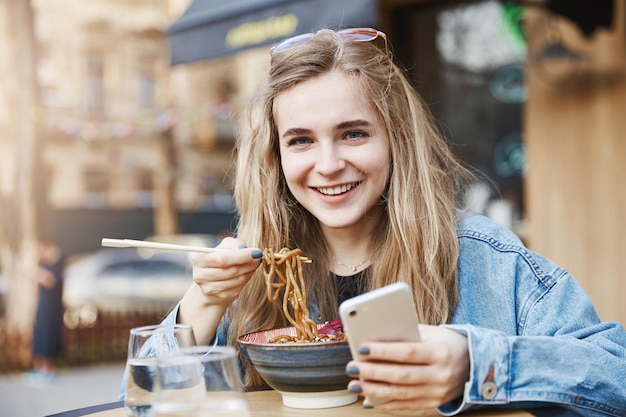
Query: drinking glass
x=200 y=381
x=145 y=345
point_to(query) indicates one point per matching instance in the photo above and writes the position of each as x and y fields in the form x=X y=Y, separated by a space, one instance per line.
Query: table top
x=269 y=404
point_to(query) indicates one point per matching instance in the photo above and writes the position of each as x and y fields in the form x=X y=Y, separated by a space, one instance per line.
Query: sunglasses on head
x=352 y=35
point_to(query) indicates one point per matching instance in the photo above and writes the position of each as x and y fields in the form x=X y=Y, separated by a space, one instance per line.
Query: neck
x=350 y=267
x=349 y=253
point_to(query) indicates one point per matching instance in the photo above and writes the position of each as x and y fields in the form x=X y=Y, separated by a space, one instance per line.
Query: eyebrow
x=350 y=124
x=296 y=131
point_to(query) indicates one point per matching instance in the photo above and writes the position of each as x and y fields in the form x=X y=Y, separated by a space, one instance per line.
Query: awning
x=214 y=28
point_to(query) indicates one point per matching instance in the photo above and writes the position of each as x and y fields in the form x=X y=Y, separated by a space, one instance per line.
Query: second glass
x=198 y=382
x=145 y=345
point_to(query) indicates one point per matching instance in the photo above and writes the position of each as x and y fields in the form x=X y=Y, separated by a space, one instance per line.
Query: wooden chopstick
x=130 y=243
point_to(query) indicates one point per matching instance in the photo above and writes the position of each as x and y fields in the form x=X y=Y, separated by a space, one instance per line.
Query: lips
x=339 y=189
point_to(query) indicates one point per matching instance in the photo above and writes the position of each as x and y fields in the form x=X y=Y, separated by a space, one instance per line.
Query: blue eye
x=356 y=134
x=298 y=141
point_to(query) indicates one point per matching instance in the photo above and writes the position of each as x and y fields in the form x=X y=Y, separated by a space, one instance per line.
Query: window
x=466 y=60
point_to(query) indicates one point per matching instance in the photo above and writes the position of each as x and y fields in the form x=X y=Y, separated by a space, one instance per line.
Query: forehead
x=332 y=97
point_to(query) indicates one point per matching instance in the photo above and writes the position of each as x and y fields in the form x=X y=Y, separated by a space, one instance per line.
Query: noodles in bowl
x=307 y=375
x=306 y=361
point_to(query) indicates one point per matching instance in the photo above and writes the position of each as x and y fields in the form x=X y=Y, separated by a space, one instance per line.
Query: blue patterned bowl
x=307 y=375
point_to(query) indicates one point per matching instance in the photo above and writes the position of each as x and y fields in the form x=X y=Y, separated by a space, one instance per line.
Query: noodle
x=283 y=272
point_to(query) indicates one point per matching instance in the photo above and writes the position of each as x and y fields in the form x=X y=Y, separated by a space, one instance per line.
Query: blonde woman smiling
x=342 y=159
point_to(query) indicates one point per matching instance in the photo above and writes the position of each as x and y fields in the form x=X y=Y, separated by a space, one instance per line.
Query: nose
x=329 y=160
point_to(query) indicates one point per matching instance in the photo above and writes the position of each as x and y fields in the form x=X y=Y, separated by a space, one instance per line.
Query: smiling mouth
x=340 y=189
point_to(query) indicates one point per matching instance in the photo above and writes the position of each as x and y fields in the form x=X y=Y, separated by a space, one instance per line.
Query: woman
x=48 y=327
x=343 y=160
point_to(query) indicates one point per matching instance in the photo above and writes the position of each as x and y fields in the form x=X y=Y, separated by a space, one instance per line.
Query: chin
x=337 y=221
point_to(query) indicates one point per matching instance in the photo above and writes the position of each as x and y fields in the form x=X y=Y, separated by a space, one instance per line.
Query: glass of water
x=145 y=345
x=198 y=382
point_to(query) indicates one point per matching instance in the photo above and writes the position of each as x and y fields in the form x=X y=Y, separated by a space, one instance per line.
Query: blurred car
x=127 y=279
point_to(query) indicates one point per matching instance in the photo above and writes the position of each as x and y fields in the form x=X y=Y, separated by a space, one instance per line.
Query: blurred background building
x=122 y=129
x=140 y=101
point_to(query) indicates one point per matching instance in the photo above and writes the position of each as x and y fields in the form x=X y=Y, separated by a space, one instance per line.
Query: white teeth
x=340 y=189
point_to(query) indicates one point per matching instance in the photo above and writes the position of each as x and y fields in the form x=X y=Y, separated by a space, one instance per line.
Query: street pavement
x=72 y=388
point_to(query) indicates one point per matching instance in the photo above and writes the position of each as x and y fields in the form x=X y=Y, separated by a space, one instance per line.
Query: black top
x=349 y=286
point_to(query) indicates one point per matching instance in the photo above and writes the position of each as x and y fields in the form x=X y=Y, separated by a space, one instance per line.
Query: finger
x=225 y=290
x=228 y=258
x=232 y=243
x=223 y=284
x=393 y=372
x=398 y=397
x=441 y=382
x=439 y=345
x=215 y=281
x=401 y=352
x=223 y=273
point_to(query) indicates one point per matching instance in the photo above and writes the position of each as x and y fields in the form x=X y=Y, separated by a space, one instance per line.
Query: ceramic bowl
x=307 y=375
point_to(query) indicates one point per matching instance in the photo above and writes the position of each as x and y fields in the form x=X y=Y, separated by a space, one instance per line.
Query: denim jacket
x=534 y=336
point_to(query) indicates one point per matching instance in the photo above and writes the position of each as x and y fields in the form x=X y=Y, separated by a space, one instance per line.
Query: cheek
x=383 y=179
x=293 y=169
x=379 y=168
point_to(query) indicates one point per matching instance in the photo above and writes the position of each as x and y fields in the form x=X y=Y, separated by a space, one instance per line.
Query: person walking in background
x=49 y=316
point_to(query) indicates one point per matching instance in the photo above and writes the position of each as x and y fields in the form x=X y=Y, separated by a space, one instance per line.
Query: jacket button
x=488 y=390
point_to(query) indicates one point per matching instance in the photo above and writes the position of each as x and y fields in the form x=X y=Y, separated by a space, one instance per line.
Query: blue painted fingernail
x=364 y=350
x=242 y=247
x=355 y=389
x=257 y=254
x=353 y=370
x=367 y=405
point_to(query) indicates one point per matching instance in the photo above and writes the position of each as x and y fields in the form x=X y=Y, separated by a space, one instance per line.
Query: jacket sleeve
x=561 y=356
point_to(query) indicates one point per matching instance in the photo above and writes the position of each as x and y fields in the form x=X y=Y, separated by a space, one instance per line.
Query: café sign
x=214 y=28
x=255 y=33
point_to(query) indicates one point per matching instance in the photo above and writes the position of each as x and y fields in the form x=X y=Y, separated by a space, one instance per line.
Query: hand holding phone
x=384 y=314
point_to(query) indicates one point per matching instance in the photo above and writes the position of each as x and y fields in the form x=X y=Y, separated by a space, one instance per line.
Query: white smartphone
x=384 y=314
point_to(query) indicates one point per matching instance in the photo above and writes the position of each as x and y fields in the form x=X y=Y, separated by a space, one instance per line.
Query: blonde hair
x=416 y=239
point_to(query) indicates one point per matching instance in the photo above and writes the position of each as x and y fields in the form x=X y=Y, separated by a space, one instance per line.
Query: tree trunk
x=19 y=203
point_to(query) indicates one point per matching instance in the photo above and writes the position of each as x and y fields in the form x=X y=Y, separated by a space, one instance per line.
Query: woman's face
x=334 y=151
